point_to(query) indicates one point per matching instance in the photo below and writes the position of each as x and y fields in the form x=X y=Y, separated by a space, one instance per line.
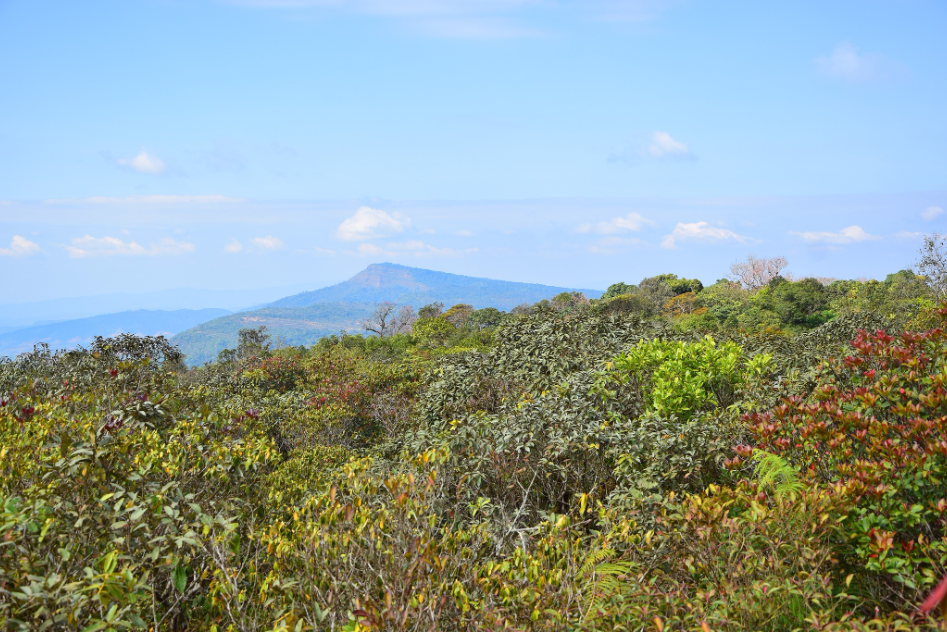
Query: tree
x=432 y=310
x=656 y=290
x=388 y=319
x=486 y=318
x=253 y=342
x=933 y=263
x=800 y=303
x=617 y=289
x=569 y=301
x=459 y=314
x=755 y=272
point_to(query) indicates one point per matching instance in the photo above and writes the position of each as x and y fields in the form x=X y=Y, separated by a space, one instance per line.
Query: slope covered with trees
x=669 y=456
x=81 y=331
x=302 y=319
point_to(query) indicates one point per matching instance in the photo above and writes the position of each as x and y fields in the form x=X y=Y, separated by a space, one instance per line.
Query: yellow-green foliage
x=358 y=486
x=679 y=378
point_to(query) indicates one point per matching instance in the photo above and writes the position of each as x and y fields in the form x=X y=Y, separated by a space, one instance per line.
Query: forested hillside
x=302 y=319
x=415 y=286
x=758 y=454
x=81 y=331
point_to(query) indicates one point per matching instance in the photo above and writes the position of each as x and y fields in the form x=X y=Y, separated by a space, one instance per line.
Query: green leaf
x=179 y=578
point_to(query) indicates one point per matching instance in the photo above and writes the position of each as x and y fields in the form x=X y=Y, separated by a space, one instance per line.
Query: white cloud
x=89 y=246
x=144 y=163
x=475 y=19
x=19 y=247
x=268 y=243
x=463 y=19
x=413 y=248
x=465 y=233
x=145 y=199
x=848 y=64
x=663 y=146
x=409 y=245
x=317 y=251
x=851 y=234
x=628 y=10
x=702 y=231
x=932 y=212
x=370 y=223
x=632 y=221
x=233 y=247
x=371 y=249
x=613 y=245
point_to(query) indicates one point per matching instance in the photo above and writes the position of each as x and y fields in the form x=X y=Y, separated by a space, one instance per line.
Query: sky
x=158 y=144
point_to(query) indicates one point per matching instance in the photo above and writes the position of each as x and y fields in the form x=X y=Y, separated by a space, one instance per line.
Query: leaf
x=179 y=578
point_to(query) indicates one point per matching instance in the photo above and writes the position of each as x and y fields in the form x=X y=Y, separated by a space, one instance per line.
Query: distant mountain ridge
x=405 y=285
x=22 y=315
x=81 y=331
x=303 y=318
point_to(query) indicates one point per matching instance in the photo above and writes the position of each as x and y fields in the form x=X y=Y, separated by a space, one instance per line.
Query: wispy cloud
x=848 y=64
x=233 y=247
x=370 y=223
x=851 y=234
x=663 y=146
x=19 y=247
x=660 y=145
x=628 y=10
x=932 y=213
x=89 y=246
x=317 y=251
x=459 y=19
x=631 y=221
x=144 y=163
x=144 y=199
x=613 y=245
x=412 y=248
x=268 y=243
x=702 y=231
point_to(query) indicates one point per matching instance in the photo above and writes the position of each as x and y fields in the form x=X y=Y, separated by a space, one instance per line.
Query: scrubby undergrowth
x=583 y=468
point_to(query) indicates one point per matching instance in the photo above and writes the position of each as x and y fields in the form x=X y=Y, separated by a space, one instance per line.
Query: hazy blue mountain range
x=20 y=315
x=287 y=326
x=81 y=331
x=303 y=318
x=416 y=286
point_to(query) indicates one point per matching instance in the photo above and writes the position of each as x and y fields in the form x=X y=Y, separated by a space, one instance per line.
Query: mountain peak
x=417 y=286
x=378 y=275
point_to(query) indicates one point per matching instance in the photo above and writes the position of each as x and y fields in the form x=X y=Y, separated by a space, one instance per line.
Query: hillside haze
x=21 y=315
x=81 y=331
x=303 y=318
x=418 y=287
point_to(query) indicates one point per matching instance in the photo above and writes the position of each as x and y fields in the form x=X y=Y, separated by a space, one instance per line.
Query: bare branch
x=754 y=273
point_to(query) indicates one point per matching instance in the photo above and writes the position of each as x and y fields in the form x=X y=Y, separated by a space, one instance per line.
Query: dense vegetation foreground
x=580 y=468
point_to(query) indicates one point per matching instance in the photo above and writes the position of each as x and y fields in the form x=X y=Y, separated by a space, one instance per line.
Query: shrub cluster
x=575 y=466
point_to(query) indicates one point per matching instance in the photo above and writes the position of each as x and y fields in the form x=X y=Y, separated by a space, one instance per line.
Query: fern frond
x=603 y=580
x=774 y=471
x=592 y=560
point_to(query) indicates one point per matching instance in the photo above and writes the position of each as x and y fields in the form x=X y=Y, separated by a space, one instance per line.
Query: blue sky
x=153 y=144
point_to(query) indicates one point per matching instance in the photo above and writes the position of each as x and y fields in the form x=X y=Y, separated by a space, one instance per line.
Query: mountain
x=287 y=326
x=418 y=287
x=19 y=315
x=303 y=318
x=81 y=331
